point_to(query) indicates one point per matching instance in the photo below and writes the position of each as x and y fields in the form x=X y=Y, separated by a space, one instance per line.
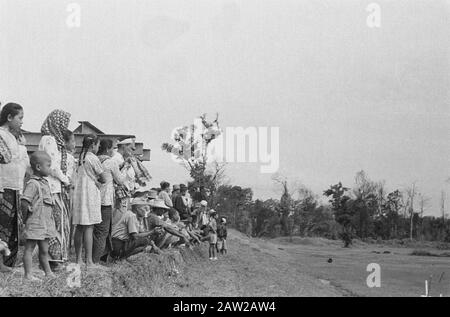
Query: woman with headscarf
x=52 y=141
x=13 y=163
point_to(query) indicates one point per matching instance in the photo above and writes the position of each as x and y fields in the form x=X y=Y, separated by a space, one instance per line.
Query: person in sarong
x=13 y=162
x=52 y=142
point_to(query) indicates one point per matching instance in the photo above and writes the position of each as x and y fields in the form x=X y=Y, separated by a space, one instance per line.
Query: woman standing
x=113 y=175
x=12 y=172
x=52 y=142
x=87 y=199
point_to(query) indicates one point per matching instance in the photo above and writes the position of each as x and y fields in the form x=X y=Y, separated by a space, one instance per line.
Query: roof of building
x=89 y=125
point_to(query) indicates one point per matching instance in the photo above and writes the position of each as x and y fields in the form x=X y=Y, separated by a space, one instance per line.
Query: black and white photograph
x=224 y=154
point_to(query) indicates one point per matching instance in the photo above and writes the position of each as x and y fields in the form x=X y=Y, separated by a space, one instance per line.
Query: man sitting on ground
x=126 y=238
x=159 y=208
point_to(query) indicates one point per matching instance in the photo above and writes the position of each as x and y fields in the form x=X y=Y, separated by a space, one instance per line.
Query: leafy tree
x=343 y=211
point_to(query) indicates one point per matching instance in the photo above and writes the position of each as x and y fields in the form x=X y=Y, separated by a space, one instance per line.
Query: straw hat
x=204 y=203
x=152 y=194
x=158 y=203
x=140 y=202
x=143 y=189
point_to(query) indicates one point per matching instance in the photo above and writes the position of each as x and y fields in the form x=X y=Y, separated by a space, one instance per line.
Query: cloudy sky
x=345 y=96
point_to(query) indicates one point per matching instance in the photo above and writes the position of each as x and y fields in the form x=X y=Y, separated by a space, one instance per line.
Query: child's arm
x=30 y=192
x=25 y=208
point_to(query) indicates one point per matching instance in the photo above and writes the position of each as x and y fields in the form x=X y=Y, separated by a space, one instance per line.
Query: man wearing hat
x=158 y=209
x=127 y=233
x=181 y=203
x=124 y=151
x=142 y=191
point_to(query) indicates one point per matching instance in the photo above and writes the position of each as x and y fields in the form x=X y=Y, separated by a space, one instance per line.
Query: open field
x=255 y=267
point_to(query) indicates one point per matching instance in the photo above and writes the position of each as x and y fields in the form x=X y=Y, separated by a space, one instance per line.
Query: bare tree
x=443 y=212
x=411 y=193
x=423 y=204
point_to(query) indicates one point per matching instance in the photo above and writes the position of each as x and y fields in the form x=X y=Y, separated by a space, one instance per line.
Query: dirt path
x=251 y=268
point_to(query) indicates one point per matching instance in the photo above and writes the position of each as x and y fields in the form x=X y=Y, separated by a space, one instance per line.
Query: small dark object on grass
x=427 y=253
x=330 y=260
x=387 y=252
x=280 y=249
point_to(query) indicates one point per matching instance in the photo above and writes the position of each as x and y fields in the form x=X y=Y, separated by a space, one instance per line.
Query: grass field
x=255 y=267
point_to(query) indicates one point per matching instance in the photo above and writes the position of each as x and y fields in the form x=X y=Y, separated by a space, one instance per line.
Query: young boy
x=222 y=236
x=36 y=207
x=212 y=235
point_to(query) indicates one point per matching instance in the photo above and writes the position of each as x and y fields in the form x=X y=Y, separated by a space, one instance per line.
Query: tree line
x=364 y=211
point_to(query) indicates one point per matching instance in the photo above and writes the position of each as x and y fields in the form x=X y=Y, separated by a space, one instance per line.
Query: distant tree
x=286 y=206
x=341 y=205
x=411 y=193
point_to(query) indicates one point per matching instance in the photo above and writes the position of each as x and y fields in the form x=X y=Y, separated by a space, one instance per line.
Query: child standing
x=86 y=198
x=37 y=207
x=212 y=235
x=222 y=236
x=69 y=140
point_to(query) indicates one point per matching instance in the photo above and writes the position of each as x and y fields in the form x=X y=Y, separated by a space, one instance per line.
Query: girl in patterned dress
x=87 y=199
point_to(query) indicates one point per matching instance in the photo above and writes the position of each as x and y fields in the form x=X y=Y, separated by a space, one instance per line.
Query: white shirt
x=128 y=170
x=48 y=144
x=12 y=174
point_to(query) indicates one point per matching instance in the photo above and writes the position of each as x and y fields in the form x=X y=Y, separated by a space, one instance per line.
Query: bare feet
x=93 y=266
x=50 y=275
x=80 y=263
x=31 y=278
x=5 y=269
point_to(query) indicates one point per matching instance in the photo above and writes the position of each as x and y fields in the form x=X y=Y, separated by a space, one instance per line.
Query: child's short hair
x=37 y=158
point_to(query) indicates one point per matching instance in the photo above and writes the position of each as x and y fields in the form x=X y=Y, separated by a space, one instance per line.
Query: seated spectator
x=154 y=220
x=164 y=194
x=126 y=238
x=142 y=192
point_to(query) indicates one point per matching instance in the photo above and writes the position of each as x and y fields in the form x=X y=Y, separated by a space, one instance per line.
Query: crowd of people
x=98 y=203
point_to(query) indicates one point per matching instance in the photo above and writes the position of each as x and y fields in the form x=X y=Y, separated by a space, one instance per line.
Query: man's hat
x=152 y=194
x=212 y=212
x=158 y=203
x=204 y=203
x=140 y=202
x=143 y=189
x=176 y=187
x=183 y=187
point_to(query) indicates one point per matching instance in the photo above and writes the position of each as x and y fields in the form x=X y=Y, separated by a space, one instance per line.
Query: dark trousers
x=102 y=235
x=122 y=249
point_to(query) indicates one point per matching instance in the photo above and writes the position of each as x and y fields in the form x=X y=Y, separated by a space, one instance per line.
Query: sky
x=345 y=96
